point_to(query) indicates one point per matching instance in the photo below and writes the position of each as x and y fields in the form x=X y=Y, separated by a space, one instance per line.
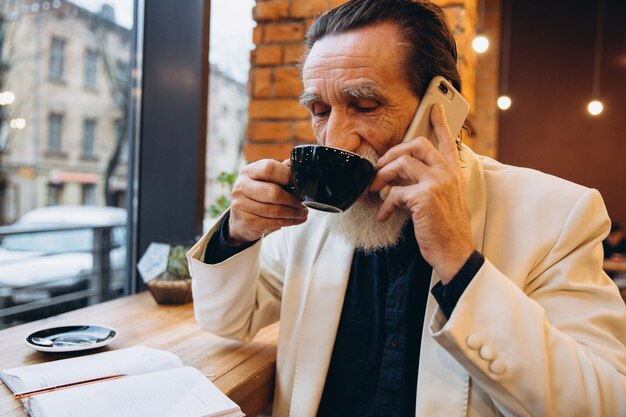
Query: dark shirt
x=374 y=364
x=373 y=368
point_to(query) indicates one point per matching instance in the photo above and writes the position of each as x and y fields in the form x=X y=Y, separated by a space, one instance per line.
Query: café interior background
x=73 y=98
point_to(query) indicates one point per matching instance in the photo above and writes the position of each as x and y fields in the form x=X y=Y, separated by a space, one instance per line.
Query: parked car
x=37 y=265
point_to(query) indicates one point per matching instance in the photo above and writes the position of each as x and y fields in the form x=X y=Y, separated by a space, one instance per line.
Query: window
x=53 y=56
x=91 y=61
x=57 y=52
x=120 y=131
x=229 y=57
x=89 y=195
x=55 y=194
x=88 y=137
x=55 y=126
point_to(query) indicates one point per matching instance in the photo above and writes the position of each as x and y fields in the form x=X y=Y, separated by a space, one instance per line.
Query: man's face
x=361 y=102
x=355 y=91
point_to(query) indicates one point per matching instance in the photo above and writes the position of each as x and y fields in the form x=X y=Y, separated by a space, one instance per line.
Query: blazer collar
x=475 y=194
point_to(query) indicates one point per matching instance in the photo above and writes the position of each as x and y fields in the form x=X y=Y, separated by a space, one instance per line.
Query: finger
x=287 y=162
x=419 y=148
x=396 y=198
x=268 y=193
x=262 y=225
x=445 y=138
x=405 y=167
x=273 y=211
x=268 y=170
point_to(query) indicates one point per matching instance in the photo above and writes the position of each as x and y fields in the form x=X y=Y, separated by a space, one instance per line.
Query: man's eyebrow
x=364 y=92
x=306 y=98
x=356 y=92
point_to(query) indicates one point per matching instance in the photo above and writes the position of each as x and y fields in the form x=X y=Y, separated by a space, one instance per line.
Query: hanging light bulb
x=595 y=107
x=504 y=102
x=480 y=44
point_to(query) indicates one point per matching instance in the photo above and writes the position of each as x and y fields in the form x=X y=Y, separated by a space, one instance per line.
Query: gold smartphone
x=455 y=107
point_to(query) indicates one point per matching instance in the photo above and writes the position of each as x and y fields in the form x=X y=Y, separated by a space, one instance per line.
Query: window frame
x=90 y=76
x=56 y=64
x=166 y=177
x=87 y=152
x=54 y=141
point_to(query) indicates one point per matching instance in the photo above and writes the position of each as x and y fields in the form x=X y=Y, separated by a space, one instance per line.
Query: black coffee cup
x=329 y=179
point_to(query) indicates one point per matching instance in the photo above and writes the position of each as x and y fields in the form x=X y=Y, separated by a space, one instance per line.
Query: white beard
x=358 y=225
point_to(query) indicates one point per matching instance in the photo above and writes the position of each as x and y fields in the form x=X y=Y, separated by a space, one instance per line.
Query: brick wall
x=485 y=118
x=276 y=120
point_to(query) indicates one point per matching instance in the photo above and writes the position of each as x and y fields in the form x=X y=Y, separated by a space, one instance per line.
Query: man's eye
x=366 y=106
x=319 y=110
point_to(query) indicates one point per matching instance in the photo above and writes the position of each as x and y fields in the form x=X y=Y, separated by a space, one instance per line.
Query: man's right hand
x=260 y=205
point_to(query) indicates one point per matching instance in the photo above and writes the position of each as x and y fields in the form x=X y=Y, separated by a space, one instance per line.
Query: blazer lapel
x=320 y=319
x=443 y=384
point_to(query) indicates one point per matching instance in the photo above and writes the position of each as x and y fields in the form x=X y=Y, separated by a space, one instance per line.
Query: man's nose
x=340 y=132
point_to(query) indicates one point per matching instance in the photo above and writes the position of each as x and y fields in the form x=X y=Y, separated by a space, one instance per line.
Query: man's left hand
x=433 y=190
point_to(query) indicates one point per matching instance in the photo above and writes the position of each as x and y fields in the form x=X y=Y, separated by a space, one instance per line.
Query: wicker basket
x=171 y=292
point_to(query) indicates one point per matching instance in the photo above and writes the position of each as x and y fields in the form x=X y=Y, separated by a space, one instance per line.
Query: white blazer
x=540 y=331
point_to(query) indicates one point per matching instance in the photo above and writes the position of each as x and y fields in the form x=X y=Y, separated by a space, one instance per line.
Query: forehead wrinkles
x=338 y=72
x=334 y=78
x=324 y=67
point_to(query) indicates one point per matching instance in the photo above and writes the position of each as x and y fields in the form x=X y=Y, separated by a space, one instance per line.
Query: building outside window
x=57 y=58
x=68 y=42
x=120 y=127
x=88 y=137
x=89 y=195
x=91 y=67
x=229 y=57
x=55 y=127
x=55 y=194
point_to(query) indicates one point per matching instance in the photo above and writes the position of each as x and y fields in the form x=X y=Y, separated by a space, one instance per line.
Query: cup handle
x=289 y=188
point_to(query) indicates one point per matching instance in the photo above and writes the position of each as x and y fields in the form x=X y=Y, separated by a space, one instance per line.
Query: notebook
x=137 y=381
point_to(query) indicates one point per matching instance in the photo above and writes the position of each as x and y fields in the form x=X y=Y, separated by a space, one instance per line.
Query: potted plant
x=224 y=184
x=173 y=286
x=225 y=181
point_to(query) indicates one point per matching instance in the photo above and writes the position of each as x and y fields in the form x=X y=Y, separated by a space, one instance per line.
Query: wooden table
x=243 y=371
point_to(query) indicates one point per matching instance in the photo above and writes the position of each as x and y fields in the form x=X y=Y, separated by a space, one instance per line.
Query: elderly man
x=473 y=289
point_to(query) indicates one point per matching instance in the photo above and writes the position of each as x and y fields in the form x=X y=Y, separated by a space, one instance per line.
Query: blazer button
x=394 y=343
x=497 y=366
x=487 y=353
x=473 y=341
